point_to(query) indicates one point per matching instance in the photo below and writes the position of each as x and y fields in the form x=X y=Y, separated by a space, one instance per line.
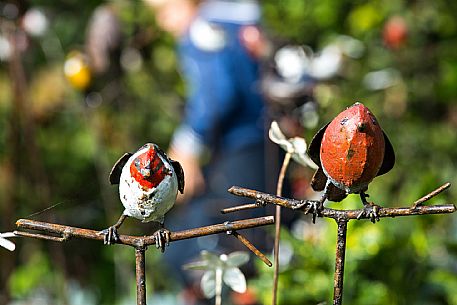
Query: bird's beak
x=146 y=171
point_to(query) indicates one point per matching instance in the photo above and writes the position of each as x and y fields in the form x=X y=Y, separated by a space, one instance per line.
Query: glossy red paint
x=157 y=169
x=352 y=148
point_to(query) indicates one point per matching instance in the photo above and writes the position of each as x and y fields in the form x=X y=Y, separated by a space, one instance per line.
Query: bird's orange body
x=352 y=149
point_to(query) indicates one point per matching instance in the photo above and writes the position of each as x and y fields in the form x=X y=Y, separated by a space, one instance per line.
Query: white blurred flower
x=327 y=64
x=292 y=62
x=35 y=22
x=5 y=243
x=5 y=49
x=381 y=79
x=220 y=269
x=295 y=146
x=350 y=46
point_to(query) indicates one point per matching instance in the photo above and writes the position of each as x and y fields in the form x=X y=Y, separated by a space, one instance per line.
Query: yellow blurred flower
x=77 y=71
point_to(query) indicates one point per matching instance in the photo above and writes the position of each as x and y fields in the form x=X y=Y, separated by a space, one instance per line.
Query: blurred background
x=64 y=122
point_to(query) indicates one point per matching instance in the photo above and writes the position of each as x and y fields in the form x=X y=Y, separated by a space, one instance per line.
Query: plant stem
x=279 y=186
x=218 y=286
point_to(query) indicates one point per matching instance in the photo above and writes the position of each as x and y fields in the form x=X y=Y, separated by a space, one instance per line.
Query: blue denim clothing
x=224 y=109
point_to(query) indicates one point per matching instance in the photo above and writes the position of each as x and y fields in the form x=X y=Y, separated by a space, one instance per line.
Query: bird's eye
x=361 y=127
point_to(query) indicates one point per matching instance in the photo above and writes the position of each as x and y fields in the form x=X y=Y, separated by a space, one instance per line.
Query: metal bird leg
x=369 y=209
x=110 y=234
x=314 y=206
x=162 y=237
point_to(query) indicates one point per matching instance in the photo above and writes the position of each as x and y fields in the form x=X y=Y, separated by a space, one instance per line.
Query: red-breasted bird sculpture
x=350 y=151
x=148 y=185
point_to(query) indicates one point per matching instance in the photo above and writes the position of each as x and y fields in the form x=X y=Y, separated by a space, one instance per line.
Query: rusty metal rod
x=251 y=247
x=420 y=201
x=136 y=241
x=140 y=276
x=40 y=236
x=339 y=262
x=247 y=206
x=304 y=205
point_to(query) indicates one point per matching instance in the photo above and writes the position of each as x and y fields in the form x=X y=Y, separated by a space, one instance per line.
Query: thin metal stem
x=251 y=247
x=431 y=194
x=279 y=186
x=242 y=207
x=140 y=276
x=339 y=262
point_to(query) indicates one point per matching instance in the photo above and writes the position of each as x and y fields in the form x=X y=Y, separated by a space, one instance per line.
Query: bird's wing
x=115 y=174
x=319 y=180
x=179 y=173
x=389 y=157
x=315 y=146
x=335 y=194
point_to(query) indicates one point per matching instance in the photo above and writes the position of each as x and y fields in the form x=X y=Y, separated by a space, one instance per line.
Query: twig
x=306 y=206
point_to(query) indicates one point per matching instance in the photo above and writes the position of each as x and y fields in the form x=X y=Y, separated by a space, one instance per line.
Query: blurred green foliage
x=58 y=148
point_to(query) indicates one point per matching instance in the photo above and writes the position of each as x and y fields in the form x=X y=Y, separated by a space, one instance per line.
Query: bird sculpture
x=350 y=152
x=148 y=185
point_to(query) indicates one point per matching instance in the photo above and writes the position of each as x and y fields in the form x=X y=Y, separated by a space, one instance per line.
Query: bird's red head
x=352 y=148
x=148 y=168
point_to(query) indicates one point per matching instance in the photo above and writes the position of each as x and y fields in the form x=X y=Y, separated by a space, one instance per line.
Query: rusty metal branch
x=61 y=233
x=64 y=232
x=342 y=217
x=430 y=195
x=251 y=247
x=242 y=207
x=306 y=206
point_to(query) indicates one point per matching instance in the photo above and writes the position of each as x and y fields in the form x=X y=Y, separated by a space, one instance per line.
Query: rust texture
x=420 y=201
x=134 y=241
x=251 y=247
x=339 y=262
x=306 y=206
x=352 y=148
x=238 y=208
x=140 y=276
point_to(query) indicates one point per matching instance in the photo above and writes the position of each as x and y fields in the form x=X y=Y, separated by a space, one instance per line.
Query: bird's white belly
x=150 y=204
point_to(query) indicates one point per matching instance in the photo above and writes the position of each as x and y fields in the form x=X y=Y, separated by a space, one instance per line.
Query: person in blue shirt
x=219 y=45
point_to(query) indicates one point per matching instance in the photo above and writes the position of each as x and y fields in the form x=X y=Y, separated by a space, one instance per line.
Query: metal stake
x=140 y=276
x=339 y=262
